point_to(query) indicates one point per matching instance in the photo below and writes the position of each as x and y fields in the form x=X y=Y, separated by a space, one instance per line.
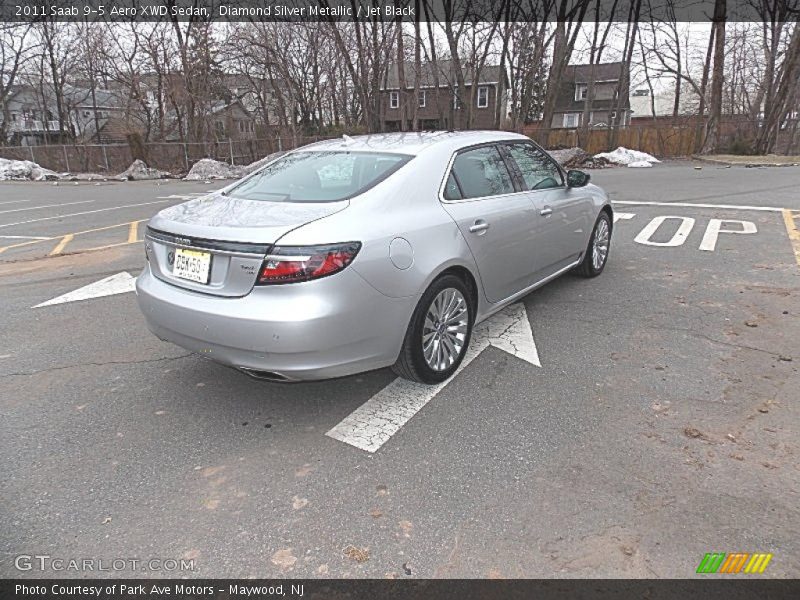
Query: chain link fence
x=174 y=157
x=665 y=140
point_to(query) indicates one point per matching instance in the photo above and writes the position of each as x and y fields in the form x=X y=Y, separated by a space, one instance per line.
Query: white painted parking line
x=120 y=283
x=15 y=202
x=694 y=205
x=2 y=212
x=22 y=237
x=377 y=420
x=622 y=216
x=87 y=212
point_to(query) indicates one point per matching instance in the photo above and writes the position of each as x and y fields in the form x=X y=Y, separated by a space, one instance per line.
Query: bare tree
x=15 y=50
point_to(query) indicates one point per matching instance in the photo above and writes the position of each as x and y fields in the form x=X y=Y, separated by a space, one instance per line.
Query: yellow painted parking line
x=132 y=226
x=133 y=232
x=62 y=244
x=793 y=231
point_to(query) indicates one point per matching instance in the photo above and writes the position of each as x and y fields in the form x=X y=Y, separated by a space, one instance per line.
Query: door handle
x=546 y=211
x=479 y=226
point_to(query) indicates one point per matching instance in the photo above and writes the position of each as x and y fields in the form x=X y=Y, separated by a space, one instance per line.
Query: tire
x=412 y=363
x=588 y=266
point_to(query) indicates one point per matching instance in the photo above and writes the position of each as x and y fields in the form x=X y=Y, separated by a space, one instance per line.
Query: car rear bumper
x=331 y=327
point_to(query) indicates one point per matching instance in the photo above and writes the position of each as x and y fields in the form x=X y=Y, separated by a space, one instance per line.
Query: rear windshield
x=319 y=176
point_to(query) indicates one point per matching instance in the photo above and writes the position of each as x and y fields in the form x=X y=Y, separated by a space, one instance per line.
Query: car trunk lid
x=222 y=241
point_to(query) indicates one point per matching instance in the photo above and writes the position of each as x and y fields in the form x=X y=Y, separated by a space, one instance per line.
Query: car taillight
x=290 y=264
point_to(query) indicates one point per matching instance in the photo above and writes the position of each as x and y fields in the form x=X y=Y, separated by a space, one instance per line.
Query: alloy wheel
x=445 y=329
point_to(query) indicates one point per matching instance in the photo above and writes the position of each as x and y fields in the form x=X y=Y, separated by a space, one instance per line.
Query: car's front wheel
x=596 y=255
x=439 y=332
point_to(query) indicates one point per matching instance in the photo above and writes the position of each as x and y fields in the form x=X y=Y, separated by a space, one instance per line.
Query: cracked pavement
x=662 y=424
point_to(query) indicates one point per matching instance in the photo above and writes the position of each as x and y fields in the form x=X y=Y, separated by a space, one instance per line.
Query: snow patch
x=139 y=171
x=208 y=168
x=625 y=156
x=24 y=170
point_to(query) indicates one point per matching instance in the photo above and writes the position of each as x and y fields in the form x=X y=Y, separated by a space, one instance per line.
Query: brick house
x=573 y=91
x=440 y=107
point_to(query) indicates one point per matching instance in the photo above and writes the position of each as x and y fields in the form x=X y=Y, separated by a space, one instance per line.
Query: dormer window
x=580 y=91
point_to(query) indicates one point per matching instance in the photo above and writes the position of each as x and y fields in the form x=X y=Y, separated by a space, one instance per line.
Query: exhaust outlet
x=265 y=375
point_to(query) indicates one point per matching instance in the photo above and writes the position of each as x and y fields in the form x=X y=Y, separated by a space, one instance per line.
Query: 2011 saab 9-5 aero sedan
x=359 y=253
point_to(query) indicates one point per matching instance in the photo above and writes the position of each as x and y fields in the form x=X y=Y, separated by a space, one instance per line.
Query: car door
x=563 y=231
x=495 y=216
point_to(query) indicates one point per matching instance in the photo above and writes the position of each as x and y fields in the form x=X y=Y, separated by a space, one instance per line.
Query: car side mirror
x=577 y=178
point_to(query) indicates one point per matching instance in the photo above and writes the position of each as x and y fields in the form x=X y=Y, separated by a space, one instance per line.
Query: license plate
x=192 y=265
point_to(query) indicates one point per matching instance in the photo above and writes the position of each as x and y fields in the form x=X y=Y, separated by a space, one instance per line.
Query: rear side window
x=538 y=170
x=482 y=172
x=451 y=190
x=319 y=176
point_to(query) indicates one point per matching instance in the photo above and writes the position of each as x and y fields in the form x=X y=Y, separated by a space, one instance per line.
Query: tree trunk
x=712 y=140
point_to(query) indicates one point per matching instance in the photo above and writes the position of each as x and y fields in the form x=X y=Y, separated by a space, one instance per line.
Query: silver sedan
x=360 y=253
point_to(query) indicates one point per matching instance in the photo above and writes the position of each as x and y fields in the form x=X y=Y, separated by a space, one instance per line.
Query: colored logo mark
x=736 y=562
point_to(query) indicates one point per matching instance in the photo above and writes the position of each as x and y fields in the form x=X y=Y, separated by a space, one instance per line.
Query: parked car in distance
x=359 y=253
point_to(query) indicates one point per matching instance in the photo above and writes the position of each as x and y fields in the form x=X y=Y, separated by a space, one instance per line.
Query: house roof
x=607 y=73
x=74 y=97
x=447 y=75
x=602 y=72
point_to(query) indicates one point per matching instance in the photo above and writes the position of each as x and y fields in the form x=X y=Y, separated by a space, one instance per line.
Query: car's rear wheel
x=596 y=255
x=439 y=332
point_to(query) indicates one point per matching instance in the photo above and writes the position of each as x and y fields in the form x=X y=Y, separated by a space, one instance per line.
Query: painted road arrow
x=379 y=418
x=120 y=283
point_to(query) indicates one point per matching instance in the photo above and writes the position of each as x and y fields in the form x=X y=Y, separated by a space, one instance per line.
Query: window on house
x=612 y=115
x=456 y=101
x=580 y=91
x=483 y=96
x=571 y=120
x=219 y=126
x=13 y=116
x=394 y=99
x=422 y=98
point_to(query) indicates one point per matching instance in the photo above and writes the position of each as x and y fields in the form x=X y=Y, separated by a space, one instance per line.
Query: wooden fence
x=663 y=139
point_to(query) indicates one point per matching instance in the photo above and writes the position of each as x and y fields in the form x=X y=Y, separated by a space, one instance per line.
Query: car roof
x=413 y=143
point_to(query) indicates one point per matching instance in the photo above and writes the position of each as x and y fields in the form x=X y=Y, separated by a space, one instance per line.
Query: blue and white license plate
x=193 y=265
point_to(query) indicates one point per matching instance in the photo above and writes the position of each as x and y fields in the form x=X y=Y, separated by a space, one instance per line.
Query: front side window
x=483 y=96
x=321 y=176
x=482 y=172
x=422 y=98
x=394 y=99
x=538 y=170
x=580 y=91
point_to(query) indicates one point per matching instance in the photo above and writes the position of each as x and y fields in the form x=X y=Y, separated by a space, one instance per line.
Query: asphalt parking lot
x=653 y=419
